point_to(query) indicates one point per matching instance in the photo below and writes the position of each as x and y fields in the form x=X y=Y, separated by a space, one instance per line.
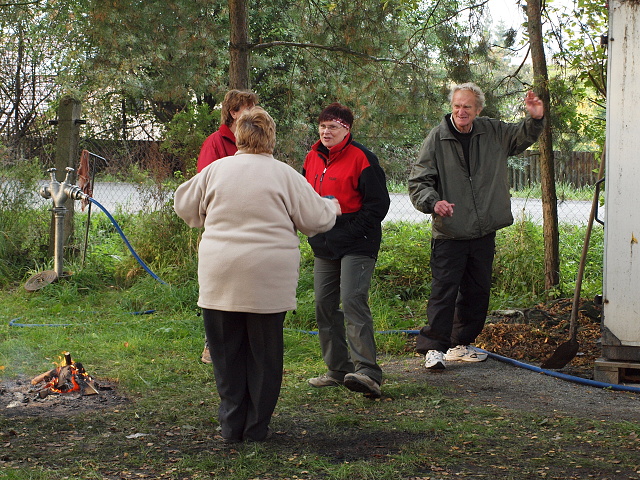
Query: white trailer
x=621 y=281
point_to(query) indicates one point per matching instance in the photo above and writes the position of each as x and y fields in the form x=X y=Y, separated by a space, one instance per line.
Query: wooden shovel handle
x=573 y=327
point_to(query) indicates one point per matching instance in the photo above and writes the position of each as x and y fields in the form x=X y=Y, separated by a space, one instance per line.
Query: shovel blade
x=563 y=355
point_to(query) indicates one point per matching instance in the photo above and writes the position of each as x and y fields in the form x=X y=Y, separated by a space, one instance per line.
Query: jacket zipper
x=475 y=205
x=321 y=178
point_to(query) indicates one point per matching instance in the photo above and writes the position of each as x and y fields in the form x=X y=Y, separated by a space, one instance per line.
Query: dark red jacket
x=217 y=145
x=352 y=174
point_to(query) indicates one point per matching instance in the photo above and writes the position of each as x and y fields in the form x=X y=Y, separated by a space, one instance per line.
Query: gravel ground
x=497 y=383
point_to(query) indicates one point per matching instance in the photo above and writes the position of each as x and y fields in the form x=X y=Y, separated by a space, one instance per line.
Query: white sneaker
x=324 y=380
x=465 y=353
x=434 y=360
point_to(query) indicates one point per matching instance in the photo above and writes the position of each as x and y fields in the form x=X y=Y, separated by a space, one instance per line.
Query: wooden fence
x=579 y=169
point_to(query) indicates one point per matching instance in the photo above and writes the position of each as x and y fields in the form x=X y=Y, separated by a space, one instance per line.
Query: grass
x=166 y=429
x=165 y=432
x=564 y=191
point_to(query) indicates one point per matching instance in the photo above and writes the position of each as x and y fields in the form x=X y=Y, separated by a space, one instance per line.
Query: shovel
x=566 y=351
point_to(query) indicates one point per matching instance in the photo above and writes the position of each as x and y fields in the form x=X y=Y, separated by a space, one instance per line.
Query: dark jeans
x=247 y=353
x=460 y=292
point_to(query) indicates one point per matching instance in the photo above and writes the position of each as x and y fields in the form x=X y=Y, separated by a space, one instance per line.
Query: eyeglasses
x=331 y=128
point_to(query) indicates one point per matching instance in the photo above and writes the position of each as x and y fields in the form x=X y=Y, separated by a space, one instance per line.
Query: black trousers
x=247 y=353
x=460 y=292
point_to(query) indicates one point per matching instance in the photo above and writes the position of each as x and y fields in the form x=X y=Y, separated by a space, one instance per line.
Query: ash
x=18 y=398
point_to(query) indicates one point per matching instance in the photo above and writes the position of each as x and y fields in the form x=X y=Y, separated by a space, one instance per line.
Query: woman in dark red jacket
x=345 y=256
x=222 y=143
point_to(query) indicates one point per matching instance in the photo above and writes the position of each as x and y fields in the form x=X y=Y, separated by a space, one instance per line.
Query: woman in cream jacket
x=251 y=207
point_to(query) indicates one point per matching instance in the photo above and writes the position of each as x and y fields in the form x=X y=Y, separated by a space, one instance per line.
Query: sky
x=506 y=11
x=511 y=15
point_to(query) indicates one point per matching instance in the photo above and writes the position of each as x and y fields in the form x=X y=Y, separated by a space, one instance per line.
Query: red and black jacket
x=352 y=174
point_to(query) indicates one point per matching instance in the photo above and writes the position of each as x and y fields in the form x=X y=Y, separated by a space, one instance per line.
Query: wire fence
x=142 y=197
x=144 y=187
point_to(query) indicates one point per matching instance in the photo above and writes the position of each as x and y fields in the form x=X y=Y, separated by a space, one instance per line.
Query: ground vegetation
x=155 y=414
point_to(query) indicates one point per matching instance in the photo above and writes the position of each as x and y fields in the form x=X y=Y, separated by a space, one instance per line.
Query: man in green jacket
x=462 y=168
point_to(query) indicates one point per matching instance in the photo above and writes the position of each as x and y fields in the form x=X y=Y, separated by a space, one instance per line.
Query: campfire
x=70 y=377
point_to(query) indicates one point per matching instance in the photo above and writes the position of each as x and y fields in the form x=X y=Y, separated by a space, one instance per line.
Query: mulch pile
x=532 y=335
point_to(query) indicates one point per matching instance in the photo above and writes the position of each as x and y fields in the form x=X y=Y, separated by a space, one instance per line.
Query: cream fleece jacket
x=251 y=206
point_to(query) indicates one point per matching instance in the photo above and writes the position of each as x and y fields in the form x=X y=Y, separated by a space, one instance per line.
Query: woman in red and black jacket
x=345 y=256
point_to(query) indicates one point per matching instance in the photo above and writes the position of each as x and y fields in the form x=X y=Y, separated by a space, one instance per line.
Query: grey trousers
x=247 y=353
x=352 y=348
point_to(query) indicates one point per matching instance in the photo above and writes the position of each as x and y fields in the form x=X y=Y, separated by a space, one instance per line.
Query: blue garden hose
x=133 y=252
x=15 y=323
x=564 y=376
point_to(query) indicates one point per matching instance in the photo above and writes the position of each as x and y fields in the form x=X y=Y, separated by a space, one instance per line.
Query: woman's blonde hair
x=255 y=131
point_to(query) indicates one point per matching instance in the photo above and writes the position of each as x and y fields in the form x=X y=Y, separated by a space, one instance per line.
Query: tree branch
x=19 y=4
x=348 y=51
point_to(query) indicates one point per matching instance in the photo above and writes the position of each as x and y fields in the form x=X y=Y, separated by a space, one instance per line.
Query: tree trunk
x=16 y=133
x=547 y=169
x=238 y=46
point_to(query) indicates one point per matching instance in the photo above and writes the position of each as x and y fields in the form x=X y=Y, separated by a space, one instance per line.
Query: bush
x=187 y=130
x=24 y=231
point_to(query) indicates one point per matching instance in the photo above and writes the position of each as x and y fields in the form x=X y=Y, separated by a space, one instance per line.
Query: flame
x=76 y=373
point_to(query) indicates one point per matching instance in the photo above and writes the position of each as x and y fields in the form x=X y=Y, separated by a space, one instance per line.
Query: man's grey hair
x=472 y=87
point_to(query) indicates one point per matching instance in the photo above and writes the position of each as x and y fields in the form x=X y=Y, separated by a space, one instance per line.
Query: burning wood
x=71 y=377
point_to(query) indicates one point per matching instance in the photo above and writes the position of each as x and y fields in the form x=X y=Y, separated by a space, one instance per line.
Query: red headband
x=341 y=122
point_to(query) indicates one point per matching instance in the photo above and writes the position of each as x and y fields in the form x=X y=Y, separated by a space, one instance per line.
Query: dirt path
x=496 y=383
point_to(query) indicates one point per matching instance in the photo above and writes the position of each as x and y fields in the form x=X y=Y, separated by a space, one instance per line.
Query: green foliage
x=186 y=131
x=582 y=49
x=165 y=61
x=578 y=74
x=24 y=231
x=38 y=45
x=518 y=270
x=398 y=279
x=572 y=239
x=391 y=62
x=163 y=241
x=401 y=284
x=20 y=183
x=400 y=287
x=578 y=124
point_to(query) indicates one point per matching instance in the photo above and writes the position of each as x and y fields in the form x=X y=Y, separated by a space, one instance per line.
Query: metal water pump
x=60 y=193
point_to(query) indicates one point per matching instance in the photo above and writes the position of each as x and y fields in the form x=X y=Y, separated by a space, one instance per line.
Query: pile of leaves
x=532 y=335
